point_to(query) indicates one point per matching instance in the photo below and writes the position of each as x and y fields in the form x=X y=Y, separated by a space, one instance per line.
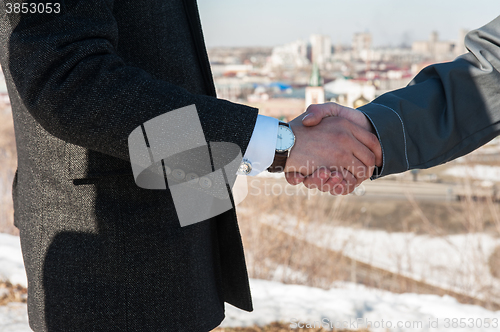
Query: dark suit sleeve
x=448 y=110
x=71 y=79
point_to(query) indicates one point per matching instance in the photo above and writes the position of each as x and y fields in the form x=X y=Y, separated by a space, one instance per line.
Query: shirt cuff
x=262 y=146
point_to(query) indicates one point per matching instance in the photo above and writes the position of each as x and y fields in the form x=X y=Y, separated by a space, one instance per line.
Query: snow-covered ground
x=14 y=318
x=348 y=305
x=345 y=306
x=11 y=260
x=478 y=172
x=455 y=262
x=345 y=303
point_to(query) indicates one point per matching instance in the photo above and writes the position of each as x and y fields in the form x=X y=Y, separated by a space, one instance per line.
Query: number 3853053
x=47 y=8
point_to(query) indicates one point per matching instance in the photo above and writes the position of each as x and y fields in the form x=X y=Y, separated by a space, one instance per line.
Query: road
x=391 y=189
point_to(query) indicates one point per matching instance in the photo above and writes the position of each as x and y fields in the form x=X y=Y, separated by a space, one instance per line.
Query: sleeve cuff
x=262 y=146
x=392 y=136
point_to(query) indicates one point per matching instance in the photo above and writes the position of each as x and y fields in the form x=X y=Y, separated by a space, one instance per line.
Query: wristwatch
x=284 y=143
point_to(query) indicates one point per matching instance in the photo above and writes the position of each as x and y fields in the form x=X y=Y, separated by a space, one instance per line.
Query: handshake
x=335 y=149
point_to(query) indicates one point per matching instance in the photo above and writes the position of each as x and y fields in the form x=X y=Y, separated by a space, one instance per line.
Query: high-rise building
x=434 y=48
x=321 y=49
x=291 y=55
x=361 y=42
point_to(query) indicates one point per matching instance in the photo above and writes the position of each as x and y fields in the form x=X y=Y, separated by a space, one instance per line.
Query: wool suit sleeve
x=71 y=79
x=446 y=111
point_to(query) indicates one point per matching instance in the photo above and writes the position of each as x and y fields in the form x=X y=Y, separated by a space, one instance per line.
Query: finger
x=350 y=182
x=379 y=158
x=342 y=188
x=294 y=178
x=315 y=113
x=355 y=171
x=361 y=120
x=362 y=165
x=334 y=181
x=370 y=151
x=311 y=119
x=317 y=178
x=352 y=115
x=323 y=179
x=339 y=188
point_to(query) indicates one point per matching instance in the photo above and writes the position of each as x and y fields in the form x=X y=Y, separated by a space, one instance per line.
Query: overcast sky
x=391 y=22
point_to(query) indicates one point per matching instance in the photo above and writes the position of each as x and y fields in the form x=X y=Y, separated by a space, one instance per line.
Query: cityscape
x=283 y=80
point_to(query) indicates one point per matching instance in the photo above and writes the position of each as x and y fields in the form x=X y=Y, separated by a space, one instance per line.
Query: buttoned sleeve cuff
x=391 y=133
x=262 y=146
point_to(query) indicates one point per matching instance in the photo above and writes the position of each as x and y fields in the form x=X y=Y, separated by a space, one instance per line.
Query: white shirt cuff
x=262 y=146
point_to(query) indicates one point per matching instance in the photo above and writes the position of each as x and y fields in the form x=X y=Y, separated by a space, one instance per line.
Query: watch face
x=286 y=139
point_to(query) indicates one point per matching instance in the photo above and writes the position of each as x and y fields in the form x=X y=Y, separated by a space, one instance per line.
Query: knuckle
x=308 y=183
x=311 y=108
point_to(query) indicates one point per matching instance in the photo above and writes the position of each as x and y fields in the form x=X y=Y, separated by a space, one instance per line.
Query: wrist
x=284 y=143
x=295 y=162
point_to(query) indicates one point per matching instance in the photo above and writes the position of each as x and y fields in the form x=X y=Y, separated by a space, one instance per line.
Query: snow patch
x=479 y=172
x=355 y=305
x=11 y=260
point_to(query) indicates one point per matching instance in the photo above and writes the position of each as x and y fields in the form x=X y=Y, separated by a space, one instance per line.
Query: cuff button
x=245 y=167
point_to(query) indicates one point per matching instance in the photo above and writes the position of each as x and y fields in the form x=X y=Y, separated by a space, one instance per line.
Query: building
x=321 y=49
x=351 y=93
x=315 y=92
x=291 y=55
x=285 y=109
x=434 y=48
x=361 y=42
x=237 y=88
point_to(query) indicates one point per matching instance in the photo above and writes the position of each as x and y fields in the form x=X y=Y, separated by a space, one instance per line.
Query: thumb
x=315 y=113
x=311 y=119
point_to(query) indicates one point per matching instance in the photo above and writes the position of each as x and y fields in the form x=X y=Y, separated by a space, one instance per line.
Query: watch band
x=279 y=161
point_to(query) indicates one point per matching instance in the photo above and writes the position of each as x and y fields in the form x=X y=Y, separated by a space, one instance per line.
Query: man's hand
x=340 y=179
x=338 y=152
x=316 y=112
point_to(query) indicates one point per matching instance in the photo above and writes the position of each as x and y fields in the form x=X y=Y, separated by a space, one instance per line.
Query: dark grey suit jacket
x=448 y=110
x=102 y=254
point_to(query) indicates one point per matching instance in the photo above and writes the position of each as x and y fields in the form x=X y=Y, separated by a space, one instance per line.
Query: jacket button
x=178 y=174
x=205 y=182
x=192 y=177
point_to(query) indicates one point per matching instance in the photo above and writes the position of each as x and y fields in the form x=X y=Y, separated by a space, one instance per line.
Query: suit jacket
x=102 y=254
x=448 y=110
